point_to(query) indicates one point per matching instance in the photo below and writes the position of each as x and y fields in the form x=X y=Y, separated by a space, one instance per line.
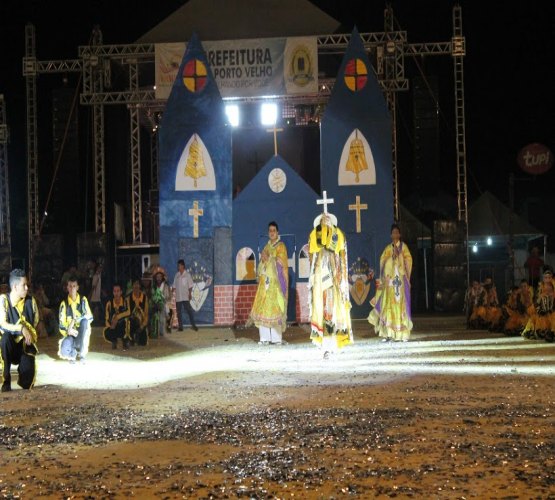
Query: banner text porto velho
x=237 y=63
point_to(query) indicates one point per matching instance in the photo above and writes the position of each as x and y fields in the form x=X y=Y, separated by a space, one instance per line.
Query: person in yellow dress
x=269 y=310
x=391 y=313
x=328 y=286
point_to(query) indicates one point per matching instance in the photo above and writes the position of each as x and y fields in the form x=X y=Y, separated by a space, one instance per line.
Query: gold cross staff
x=275 y=131
x=195 y=212
x=358 y=207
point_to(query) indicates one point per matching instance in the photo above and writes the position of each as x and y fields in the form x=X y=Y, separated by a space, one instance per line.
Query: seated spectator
x=541 y=324
x=117 y=319
x=137 y=303
x=475 y=302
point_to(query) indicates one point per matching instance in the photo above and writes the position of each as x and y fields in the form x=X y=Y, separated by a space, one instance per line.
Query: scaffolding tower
x=5 y=236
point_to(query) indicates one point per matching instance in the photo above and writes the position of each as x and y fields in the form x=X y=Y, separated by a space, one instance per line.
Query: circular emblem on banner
x=535 y=159
x=194 y=75
x=356 y=74
x=301 y=67
x=277 y=180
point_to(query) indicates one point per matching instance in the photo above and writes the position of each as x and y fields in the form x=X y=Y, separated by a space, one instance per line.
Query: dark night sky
x=509 y=70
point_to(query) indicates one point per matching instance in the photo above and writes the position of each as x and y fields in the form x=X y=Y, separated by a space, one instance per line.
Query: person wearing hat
x=160 y=299
x=328 y=286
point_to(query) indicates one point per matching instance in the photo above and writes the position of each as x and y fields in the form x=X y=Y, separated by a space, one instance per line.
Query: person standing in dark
x=183 y=285
x=137 y=303
x=534 y=264
x=95 y=297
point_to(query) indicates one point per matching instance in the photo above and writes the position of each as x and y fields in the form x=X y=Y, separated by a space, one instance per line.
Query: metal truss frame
x=135 y=135
x=5 y=233
x=390 y=47
x=30 y=72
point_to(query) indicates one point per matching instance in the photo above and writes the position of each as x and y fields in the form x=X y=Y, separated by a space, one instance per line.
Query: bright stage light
x=268 y=113
x=295 y=363
x=475 y=248
x=232 y=112
x=489 y=241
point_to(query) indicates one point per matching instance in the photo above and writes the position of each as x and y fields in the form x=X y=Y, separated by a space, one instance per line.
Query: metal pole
x=426 y=280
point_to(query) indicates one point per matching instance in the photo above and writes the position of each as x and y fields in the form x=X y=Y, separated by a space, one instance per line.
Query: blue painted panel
x=294 y=208
x=188 y=113
x=198 y=254
x=365 y=110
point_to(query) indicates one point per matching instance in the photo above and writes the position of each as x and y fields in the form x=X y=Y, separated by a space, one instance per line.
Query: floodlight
x=268 y=113
x=232 y=112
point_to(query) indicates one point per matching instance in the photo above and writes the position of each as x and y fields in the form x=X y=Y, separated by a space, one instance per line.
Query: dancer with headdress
x=328 y=286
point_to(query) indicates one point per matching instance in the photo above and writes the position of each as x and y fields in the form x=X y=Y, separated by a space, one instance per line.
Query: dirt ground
x=210 y=414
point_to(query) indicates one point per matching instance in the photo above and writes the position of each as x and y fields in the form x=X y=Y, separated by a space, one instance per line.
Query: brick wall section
x=243 y=299
x=223 y=305
x=233 y=303
x=302 y=303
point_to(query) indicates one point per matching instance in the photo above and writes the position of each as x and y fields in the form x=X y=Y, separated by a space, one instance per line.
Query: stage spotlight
x=268 y=113
x=489 y=241
x=475 y=248
x=232 y=112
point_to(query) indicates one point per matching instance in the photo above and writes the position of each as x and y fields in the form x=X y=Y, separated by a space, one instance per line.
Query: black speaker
x=92 y=245
x=449 y=254
x=449 y=277
x=48 y=245
x=449 y=231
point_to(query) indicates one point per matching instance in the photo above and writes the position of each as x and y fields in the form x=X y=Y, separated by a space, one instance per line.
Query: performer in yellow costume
x=328 y=286
x=391 y=315
x=269 y=310
x=19 y=317
x=541 y=324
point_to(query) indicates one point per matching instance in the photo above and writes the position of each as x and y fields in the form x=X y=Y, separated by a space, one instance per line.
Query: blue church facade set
x=220 y=238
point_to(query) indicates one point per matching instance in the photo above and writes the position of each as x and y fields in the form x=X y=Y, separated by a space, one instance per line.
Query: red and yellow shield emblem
x=356 y=74
x=194 y=75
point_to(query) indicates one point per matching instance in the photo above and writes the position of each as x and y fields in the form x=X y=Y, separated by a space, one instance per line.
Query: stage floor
x=211 y=414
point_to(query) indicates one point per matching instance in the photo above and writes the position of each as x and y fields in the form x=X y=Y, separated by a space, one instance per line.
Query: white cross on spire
x=325 y=201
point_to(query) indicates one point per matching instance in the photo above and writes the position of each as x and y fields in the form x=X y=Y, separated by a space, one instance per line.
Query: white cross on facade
x=325 y=201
